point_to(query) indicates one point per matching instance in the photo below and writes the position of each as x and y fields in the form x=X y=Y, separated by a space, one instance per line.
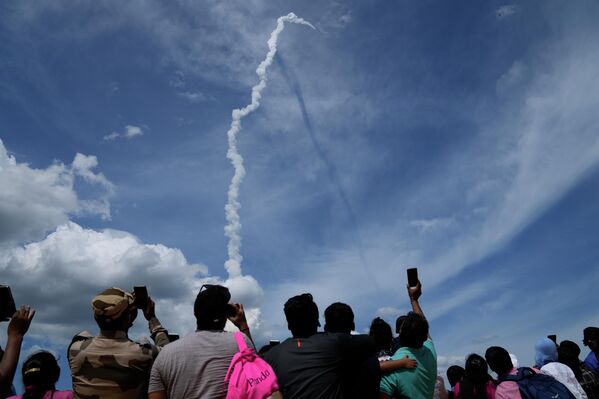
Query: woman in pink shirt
x=40 y=373
x=477 y=383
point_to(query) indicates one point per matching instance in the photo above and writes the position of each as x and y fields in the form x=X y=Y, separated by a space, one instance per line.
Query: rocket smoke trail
x=233 y=227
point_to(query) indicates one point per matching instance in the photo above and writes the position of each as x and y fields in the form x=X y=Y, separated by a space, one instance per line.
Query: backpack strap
x=523 y=372
x=239 y=356
x=240 y=341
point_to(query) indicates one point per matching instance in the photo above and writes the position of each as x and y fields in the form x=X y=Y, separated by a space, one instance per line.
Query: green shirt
x=416 y=383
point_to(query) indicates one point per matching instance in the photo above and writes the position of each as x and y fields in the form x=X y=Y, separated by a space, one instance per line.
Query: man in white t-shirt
x=195 y=366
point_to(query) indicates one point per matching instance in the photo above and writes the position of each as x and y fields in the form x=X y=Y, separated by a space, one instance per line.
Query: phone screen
x=7 y=303
x=141 y=296
x=412 y=277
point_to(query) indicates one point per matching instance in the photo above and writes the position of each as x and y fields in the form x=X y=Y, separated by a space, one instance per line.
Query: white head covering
x=514 y=360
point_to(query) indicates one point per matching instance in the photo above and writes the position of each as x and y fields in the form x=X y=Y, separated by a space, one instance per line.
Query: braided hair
x=40 y=373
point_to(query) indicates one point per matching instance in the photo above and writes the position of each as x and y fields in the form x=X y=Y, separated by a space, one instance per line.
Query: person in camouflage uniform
x=110 y=365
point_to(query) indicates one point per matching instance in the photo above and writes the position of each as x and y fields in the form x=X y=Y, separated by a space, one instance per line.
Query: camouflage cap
x=111 y=303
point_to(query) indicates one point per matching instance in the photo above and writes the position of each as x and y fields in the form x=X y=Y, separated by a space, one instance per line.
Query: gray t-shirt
x=195 y=366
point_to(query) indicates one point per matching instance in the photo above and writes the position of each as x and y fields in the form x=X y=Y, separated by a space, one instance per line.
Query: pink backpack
x=249 y=376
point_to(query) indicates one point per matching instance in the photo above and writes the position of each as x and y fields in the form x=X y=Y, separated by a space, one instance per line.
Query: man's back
x=110 y=366
x=195 y=366
x=413 y=383
x=315 y=367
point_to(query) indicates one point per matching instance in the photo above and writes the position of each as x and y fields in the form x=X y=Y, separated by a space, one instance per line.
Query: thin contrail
x=294 y=85
x=233 y=227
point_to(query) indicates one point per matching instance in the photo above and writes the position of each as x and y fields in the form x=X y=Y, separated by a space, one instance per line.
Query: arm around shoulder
x=157 y=395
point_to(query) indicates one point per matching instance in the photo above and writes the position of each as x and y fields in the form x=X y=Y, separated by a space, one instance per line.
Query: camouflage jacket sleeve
x=158 y=333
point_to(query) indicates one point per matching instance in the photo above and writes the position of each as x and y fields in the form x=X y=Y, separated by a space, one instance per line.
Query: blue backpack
x=538 y=386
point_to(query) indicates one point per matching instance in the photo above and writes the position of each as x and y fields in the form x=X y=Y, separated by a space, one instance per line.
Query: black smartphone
x=141 y=296
x=274 y=342
x=231 y=310
x=173 y=337
x=413 y=277
x=553 y=338
x=7 y=303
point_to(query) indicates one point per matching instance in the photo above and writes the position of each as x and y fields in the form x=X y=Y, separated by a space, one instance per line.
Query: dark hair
x=210 y=307
x=399 y=323
x=380 y=330
x=414 y=331
x=567 y=353
x=499 y=360
x=40 y=373
x=455 y=374
x=476 y=376
x=339 y=318
x=302 y=315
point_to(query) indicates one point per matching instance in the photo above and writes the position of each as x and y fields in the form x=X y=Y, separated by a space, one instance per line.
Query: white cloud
x=133 y=131
x=506 y=10
x=390 y=313
x=129 y=132
x=111 y=137
x=35 y=201
x=60 y=274
x=194 y=97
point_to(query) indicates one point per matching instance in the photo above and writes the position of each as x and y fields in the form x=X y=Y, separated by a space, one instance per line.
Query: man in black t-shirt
x=363 y=380
x=311 y=365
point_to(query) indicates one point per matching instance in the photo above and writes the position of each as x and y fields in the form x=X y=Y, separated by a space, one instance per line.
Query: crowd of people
x=333 y=364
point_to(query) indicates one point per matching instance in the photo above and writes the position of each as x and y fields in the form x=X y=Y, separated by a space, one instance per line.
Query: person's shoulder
x=79 y=342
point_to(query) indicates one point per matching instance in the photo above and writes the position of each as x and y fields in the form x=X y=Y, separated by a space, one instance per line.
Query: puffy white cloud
x=61 y=274
x=35 y=201
x=132 y=131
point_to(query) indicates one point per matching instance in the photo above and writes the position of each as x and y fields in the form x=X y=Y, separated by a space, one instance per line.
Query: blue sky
x=462 y=140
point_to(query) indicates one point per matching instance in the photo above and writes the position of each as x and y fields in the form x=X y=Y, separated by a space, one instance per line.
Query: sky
x=459 y=139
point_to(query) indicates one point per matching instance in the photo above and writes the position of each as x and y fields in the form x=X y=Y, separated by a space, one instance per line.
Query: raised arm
x=17 y=328
x=414 y=293
x=157 y=331
x=240 y=321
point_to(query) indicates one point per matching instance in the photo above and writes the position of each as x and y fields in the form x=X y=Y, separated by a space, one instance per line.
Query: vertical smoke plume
x=233 y=227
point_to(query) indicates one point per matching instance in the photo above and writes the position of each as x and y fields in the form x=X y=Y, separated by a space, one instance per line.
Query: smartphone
x=173 y=337
x=7 y=303
x=553 y=338
x=274 y=342
x=412 y=277
x=231 y=310
x=141 y=296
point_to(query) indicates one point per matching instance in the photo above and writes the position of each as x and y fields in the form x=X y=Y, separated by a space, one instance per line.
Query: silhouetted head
x=210 y=307
x=339 y=318
x=399 y=323
x=499 y=360
x=302 y=315
x=476 y=369
x=568 y=353
x=414 y=331
x=40 y=373
x=455 y=374
x=591 y=338
x=380 y=330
